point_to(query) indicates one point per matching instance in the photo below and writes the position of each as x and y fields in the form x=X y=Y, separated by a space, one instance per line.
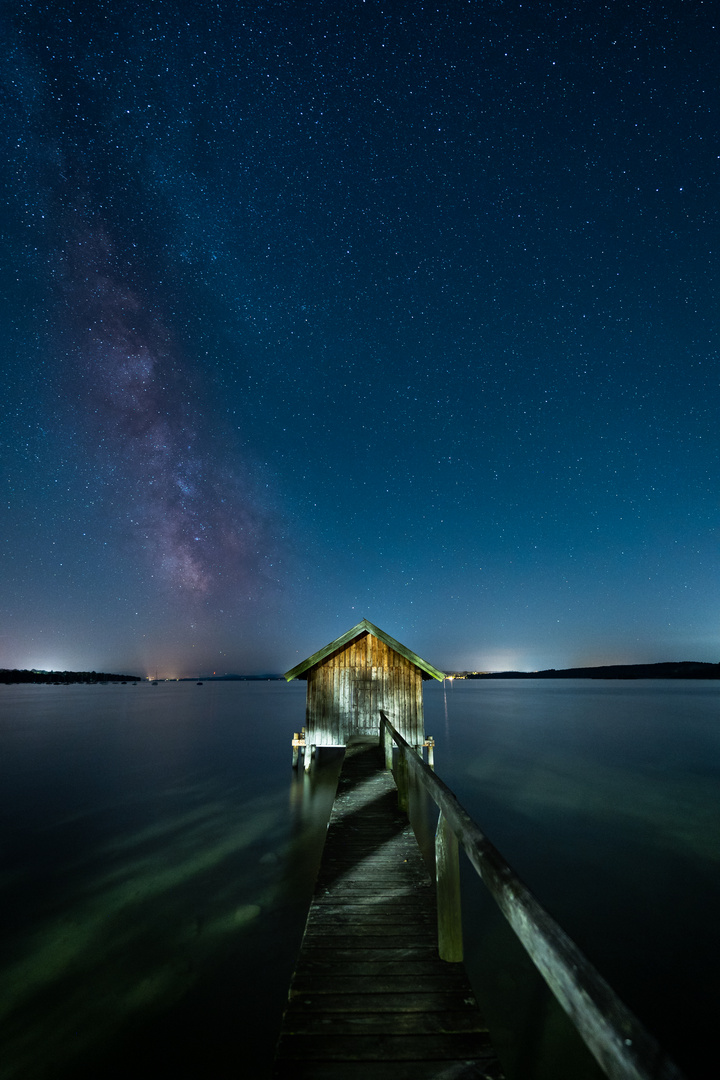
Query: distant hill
x=230 y=678
x=62 y=678
x=683 y=669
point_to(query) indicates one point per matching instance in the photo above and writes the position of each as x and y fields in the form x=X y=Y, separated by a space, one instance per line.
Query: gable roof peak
x=363 y=627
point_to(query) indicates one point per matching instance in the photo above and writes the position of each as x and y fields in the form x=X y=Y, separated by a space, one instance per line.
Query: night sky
x=321 y=311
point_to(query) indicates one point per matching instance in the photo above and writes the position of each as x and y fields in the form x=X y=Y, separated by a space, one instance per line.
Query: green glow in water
x=678 y=811
x=142 y=917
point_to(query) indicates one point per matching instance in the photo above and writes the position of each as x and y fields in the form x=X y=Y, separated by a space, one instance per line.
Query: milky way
x=192 y=519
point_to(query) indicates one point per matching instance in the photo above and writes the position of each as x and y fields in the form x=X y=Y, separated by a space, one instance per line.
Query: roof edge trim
x=355 y=632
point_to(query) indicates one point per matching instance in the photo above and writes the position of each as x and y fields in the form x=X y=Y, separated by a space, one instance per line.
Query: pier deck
x=370 y=996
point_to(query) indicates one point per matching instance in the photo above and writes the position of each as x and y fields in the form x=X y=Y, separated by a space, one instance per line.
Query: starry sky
x=352 y=308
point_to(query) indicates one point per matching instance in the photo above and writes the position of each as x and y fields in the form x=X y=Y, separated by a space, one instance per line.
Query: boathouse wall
x=347 y=690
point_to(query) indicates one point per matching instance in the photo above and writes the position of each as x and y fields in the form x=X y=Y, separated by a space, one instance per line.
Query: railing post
x=447 y=876
x=401 y=779
x=387 y=740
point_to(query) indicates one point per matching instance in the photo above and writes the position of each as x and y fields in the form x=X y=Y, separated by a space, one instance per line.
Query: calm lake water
x=158 y=856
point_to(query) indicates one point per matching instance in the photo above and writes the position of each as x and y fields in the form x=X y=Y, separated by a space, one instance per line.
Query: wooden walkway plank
x=370 y=995
x=475 y=1069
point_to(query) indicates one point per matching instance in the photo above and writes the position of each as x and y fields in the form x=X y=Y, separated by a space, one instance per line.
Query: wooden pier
x=379 y=990
x=370 y=995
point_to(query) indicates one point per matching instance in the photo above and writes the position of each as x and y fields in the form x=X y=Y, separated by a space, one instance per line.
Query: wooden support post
x=447 y=876
x=401 y=779
x=309 y=755
x=430 y=743
x=297 y=742
x=387 y=739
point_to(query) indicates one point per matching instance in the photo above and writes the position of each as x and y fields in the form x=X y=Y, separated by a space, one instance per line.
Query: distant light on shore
x=53 y=663
x=503 y=661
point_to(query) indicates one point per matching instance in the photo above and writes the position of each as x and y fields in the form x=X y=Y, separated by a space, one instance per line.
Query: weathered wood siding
x=346 y=691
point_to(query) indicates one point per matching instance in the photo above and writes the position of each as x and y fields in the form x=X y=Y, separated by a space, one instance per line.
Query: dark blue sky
x=320 y=311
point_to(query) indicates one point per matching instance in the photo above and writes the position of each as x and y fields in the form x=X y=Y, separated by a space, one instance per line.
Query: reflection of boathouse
x=353 y=678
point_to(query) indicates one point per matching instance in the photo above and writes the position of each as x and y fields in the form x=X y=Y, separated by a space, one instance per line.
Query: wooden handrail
x=620 y=1044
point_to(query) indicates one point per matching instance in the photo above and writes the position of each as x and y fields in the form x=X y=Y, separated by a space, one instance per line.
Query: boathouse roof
x=300 y=670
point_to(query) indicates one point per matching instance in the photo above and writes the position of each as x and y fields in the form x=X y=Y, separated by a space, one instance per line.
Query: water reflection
x=159 y=855
x=145 y=930
x=310 y=802
x=603 y=797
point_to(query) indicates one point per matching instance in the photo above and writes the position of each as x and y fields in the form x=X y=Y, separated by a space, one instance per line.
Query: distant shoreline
x=9 y=676
x=230 y=678
x=12 y=676
x=683 y=669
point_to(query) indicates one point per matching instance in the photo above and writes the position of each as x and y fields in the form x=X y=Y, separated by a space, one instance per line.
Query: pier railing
x=624 y=1049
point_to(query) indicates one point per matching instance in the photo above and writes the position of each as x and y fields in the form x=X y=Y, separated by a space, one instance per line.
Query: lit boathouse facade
x=353 y=678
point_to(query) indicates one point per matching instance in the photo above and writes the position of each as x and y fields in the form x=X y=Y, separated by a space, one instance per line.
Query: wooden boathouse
x=356 y=676
x=379 y=987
